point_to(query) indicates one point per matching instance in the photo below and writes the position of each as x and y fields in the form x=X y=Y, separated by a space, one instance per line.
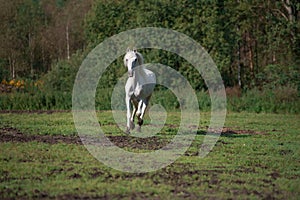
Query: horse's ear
x=134 y=50
x=128 y=49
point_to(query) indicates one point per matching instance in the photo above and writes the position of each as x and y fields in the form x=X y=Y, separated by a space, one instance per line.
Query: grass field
x=256 y=157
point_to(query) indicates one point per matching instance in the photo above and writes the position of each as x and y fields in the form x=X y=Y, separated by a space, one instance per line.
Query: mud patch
x=9 y=134
x=228 y=131
x=153 y=143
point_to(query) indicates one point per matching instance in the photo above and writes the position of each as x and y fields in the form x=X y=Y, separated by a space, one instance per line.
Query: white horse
x=139 y=87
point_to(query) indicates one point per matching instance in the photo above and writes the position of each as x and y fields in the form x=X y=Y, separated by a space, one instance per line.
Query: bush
x=275 y=76
x=62 y=75
x=282 y=99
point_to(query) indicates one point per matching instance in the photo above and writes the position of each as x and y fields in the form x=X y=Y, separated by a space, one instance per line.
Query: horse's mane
x=140 y=58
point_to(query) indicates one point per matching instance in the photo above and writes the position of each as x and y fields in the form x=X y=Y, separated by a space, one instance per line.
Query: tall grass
x=37 y=101
x=283 y=99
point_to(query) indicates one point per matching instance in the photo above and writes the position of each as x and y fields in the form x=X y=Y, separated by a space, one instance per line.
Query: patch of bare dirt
x=9 y=134
x=229 y=131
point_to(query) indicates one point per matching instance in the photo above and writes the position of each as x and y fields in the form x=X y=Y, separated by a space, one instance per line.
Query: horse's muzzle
x=130 y=73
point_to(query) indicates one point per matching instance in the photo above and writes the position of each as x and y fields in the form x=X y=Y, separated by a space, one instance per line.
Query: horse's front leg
x=135 y=108
x=129 y=122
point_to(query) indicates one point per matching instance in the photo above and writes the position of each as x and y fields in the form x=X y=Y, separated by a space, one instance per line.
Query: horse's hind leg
x=140 y=112
x=144 y=106
x=142 y=109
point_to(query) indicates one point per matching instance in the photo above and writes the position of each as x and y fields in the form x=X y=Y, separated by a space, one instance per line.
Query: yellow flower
x=12 y=82
x=4 y=82
x=18 y=84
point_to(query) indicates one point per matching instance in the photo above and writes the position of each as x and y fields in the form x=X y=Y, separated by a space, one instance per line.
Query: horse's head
x=131 y=61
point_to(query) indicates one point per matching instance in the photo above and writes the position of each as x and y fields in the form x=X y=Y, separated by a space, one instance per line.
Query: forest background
x=255 y=45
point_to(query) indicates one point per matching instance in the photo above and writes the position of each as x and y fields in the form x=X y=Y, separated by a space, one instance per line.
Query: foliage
x=63 y=73
x=254 y=34
x=235 y=34
x=35 y=34
x=274 y=76
x=31 y=95
x=283 y=99
x=255 y=45
x=38 y=101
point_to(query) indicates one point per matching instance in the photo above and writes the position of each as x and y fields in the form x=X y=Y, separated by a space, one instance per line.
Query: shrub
x=62 y=75
x=282 y=99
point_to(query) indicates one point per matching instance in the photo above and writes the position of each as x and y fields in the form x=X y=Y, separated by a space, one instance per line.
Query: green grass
x=44 y=124
x=263 y=162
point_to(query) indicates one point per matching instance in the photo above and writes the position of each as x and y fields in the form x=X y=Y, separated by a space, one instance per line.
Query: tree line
x=253 y=43
x=36 y=33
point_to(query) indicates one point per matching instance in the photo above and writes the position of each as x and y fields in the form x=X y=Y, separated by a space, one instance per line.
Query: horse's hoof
x=127 y=131
x=132 y=126
x=140 y=122
x=138 y=129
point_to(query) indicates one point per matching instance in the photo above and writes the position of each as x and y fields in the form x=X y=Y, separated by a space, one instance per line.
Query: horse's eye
x=126 y=60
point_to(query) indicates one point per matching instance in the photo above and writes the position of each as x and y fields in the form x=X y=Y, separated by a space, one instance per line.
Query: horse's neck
x=140 y=76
